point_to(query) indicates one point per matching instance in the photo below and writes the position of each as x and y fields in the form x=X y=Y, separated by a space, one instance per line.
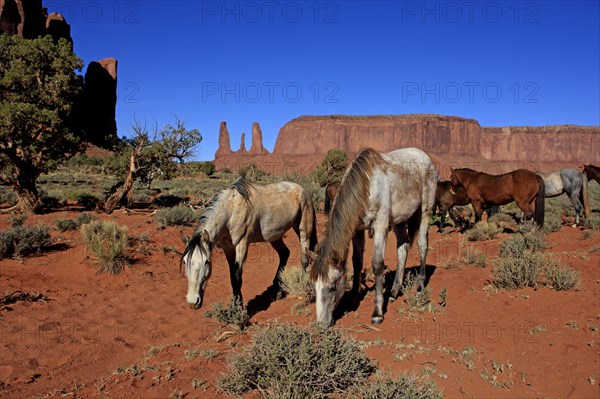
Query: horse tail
x=414 y=223
x=327 y=206
x=584 y=195
x=539 y=202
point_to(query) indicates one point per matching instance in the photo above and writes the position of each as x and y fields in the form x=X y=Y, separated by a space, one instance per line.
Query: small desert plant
x=176 y=216
x=87 y=200
x=474 y=257
x=593 y=222
x=287 y=361
x=296 y=281
x=252 y=172
x=22 y=241
x=65 y=224
x=234 y=314
x=17 y=220
x=404 y=386
x=483 y=231
x=84 y=218
x=533 y=240
x=552 y=225
x=561 y=277
x=517 y=268
x=108 y=242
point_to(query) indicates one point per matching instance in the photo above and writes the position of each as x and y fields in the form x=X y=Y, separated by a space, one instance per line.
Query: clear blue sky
x=500 y=62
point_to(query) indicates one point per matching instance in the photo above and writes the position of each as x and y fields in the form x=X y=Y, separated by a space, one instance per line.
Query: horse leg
x=235 y=272
x=457 y=223
x=574 y=197
x=443 y=217
x=477 y=209
x=284 y=253
x=380 y=238
x=358 y=249
x=402 y=249
x=423 y=248
x=304 y=244
x=235 y=269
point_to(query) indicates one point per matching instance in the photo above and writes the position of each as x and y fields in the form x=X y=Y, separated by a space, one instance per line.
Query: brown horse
x=331 y=191
x=522 y=186
x=592 y=172
x=446 y=198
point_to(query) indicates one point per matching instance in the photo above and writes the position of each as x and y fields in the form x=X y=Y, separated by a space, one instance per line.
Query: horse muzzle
x=197 y=305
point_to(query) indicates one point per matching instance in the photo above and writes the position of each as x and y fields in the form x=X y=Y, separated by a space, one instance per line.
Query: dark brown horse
x=446 y=198
x=592 y=172
x=522 y=186
x=331 y=191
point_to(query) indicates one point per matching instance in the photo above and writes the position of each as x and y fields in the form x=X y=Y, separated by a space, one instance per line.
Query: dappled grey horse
x=572 y=183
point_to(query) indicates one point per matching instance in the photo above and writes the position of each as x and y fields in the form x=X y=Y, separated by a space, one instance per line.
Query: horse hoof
x=377 y=320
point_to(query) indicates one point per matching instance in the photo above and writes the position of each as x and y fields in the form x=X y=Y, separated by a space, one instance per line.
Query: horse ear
x=205 y=237
x=183 y=237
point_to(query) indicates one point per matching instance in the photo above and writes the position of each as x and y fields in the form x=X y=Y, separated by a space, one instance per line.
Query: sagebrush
x=108 y=241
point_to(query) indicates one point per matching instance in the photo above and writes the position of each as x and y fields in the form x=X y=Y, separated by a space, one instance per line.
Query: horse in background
x=571 y=182
x=592 y=172
x=524 y=187
x=242 y=214
x=378 y=190
x=331 y=190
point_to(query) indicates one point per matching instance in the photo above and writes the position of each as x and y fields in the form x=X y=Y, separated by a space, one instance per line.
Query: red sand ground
x=544 y=343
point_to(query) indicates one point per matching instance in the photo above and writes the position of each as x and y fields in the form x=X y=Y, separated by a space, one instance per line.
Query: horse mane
x=242 y=186
x=347 y=210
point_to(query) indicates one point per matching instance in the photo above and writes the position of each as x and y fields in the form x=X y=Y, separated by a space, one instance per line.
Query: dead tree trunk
x=126 y=189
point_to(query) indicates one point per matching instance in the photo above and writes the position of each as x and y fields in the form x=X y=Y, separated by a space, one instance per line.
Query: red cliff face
x=452 y=141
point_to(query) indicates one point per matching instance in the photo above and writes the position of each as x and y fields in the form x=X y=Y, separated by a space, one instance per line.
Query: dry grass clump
x=296 y=281
x=108 y=241
x=483 y=231
x=234 y=314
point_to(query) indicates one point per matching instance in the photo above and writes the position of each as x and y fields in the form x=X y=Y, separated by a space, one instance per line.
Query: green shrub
x=517 y=268
x=475 y=257
x=234 y=314
x=84 y=218
x=22 y=241
x=533 y=240
x=7 y=196
x=17 y=220
x=561 y=277
x=483 y=231
x=332 y=168
x=252 y=172
x=87 y=200
x=108 y=242
x=176 y=216
x=287 y=361
x=296 y=281
x=593 y=222
x=404 y=386
x=65 y=224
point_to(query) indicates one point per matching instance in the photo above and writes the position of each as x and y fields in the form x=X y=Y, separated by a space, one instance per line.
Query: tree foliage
x=38 y=87
x=332 y=168
x=154 y=156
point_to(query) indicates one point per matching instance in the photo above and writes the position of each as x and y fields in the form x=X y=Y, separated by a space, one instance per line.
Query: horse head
x=198 y=267
x=329 y=285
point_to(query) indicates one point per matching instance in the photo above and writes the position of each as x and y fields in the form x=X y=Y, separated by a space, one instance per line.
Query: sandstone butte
x=451 y=141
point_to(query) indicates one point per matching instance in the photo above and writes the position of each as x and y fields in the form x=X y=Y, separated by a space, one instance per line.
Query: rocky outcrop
x=242 y=150
x=99 y=102
x=257 y=144
x=224 y=142
x=452 y=141
x=28 y=19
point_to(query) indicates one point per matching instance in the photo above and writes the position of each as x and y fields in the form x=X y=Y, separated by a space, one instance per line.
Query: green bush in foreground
x=296 y=281
x=289 y=361
x=483 y=231
x=108 y=242
x=234 y=314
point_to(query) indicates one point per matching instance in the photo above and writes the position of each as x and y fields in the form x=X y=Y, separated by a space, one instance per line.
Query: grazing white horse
x=378 y=190
x=242 y=214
